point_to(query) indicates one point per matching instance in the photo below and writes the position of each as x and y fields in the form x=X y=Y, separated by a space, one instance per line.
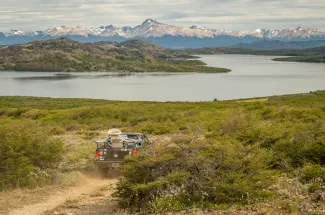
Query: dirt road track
x=59 y=198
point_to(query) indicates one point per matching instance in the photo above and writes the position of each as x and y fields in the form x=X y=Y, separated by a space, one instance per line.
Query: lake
x=251 y=76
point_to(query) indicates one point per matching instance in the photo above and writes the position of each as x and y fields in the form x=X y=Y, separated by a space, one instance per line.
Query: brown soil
x=39 y=201
x=98 y=202
x=18 y=198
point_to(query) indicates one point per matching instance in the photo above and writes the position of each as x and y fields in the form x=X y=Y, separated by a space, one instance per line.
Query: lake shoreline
x=253 y=99
x=251 y=77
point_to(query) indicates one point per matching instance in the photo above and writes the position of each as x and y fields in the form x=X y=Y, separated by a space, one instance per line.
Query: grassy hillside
x=70 y=56
x=265 y=155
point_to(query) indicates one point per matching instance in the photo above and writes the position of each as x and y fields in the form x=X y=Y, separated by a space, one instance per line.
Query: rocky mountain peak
x=303 y=28
x=197 y=27
x=150 y=21
x=109 y=27
x=14 y=32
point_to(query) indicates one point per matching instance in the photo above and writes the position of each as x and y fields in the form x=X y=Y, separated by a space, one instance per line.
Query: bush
x=197 y=173
x=311 y=172
x=304 y=145
x=33 y=114
x=57 y=130
x=79 y=156
x=26 y=153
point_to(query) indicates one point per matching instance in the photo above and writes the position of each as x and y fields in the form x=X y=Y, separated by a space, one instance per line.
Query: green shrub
x=57 y=130
x=303 y=145
x=79 y=156
x=16 y=112
x=33 y=114
x=88 y=135
x=170 y=204
x=197 y=173
x=26 y=153
x=311 y=172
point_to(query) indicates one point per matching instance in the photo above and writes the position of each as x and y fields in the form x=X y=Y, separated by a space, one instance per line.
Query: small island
x=66 y=55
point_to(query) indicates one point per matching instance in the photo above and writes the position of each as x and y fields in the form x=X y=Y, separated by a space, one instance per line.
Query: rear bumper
x=108 y=164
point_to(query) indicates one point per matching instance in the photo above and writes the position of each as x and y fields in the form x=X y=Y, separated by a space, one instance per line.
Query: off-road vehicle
x=111 y=152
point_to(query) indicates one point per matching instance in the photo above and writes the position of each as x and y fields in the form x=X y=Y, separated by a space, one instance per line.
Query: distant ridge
x=169 y=36
x=277 y=45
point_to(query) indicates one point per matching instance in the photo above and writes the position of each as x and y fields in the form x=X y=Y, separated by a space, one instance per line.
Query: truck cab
x=111 y=152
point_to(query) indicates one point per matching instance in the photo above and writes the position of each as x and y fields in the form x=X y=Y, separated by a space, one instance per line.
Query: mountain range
x=169 y=36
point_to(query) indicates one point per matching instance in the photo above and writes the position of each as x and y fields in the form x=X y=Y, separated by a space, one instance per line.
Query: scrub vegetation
x=320 y=58
x=66 y=55
x=264 y=155
x=282 y=52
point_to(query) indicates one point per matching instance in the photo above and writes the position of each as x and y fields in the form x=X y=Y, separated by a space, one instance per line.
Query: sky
x=217 y=14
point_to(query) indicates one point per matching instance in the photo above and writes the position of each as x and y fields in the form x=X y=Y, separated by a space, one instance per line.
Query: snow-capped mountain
x=152 y=28
x=18 y=32
x=64 y=30
x=156 y=31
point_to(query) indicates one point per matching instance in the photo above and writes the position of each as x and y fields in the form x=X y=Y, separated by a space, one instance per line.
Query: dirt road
x=90 y=187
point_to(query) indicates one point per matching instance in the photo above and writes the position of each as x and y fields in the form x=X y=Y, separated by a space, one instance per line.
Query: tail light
x=97 y=155
x=134 y=153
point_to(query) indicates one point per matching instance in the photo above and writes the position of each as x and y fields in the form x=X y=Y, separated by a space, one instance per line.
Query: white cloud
x=219 y=14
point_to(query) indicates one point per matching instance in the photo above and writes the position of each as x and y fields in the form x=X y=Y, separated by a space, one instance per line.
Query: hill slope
x=278 y=52
x=278 y=45
x=307 y=59
x=67 y=55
